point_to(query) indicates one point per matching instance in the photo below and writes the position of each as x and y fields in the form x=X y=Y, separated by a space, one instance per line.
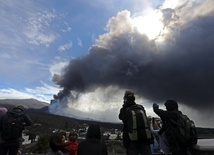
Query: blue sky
x=149 y=46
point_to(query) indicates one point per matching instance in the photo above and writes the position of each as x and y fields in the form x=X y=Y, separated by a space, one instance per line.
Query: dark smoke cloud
x=181 y=67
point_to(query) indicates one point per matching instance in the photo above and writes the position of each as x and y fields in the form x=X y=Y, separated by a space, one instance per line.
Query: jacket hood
x=128 y=103
x=94 y=131
x=16 y=112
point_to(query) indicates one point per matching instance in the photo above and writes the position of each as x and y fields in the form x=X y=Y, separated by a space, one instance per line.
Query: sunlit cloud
x=150 y=24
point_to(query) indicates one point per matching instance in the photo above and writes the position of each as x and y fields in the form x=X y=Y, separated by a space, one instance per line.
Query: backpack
x=12 y=127
x=182 y=131
x=138 y=129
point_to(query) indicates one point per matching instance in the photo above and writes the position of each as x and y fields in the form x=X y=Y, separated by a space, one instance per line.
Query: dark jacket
x=93 y=144
x=122 y=116
x=16 y=112
x=166 y=116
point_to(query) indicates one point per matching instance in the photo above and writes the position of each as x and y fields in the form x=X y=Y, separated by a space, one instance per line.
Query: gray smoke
x=180 y=67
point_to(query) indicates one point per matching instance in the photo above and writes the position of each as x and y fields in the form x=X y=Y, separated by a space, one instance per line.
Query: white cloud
x=38 y=28
x=65 y=46
x=13 y=94
x=67 y=29
x=42 y=93
x=79 y=41
x=57 y=66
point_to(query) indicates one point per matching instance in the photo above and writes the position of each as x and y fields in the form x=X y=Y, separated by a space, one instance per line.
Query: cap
x=171 y=105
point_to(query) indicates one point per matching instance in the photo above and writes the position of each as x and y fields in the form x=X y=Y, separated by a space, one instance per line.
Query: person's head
x=63 y=135
x=3 y=110
x=93 y=131
x=55 y=141
x=129 y=96
x=171 y=105
x=73 y=136
x=20 y=107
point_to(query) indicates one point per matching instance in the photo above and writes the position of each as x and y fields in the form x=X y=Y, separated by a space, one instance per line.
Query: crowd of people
x=93 y=144
x=149 y=139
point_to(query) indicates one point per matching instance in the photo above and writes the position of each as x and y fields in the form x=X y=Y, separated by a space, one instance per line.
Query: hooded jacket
x=93 y=144
x=16 y=112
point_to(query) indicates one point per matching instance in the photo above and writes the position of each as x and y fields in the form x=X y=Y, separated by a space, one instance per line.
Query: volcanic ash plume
x=178 y=63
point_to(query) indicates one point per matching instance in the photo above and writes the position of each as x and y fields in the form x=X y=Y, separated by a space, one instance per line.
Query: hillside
x=45 y=121
x=27 y=103
x=38 y=111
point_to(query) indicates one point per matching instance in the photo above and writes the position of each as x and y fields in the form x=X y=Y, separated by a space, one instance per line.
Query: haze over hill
x=39 y=112
x=27 y=103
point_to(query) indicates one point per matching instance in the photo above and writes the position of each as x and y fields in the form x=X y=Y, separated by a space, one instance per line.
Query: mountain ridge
x=27 y=103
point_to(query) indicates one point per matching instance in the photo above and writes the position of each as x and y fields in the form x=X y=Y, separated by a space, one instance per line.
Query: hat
x=129 y=95
x=171 y=105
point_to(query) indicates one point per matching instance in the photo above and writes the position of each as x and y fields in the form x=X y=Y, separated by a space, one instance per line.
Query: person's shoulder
x=93 y=140
x=139 y=105
x=175 y=112
x=179 y=112
x=83 y=143
x=5 y=114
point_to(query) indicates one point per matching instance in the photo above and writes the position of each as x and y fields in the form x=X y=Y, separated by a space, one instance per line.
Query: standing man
x=11 y=126
x=136 y=134
x=167 y=116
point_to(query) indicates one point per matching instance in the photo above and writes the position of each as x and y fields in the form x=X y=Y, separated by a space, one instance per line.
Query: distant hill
x=38 y=111
x=27 y=103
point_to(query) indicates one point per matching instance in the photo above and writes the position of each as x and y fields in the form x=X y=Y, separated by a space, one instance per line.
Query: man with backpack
x=11 y=126
x=179 y=131
x=136 y=133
